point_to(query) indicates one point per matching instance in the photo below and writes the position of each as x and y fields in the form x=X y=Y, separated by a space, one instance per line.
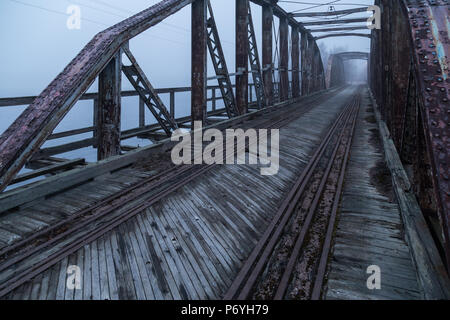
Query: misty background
x=37 y=45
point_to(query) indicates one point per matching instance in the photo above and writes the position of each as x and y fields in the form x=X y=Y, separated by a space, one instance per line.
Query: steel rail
x=289 y=270
x=321 y=270
x=154 y=180
x=29 y=273
x=274 y=230
x=288 y=214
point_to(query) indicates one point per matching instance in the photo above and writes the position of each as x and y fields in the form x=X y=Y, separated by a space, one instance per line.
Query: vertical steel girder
x=309 y=65
x=267 y=51
x=315 y=68
x=284 y=59
x=295 y=62
x=409 y=78
x=255 y=64
x=304 y=64
x=148 y=94
x=430 y=39
x=242 y=55
x=199 y=53
x=220 y=66
x=335 y=71
x=109 y=101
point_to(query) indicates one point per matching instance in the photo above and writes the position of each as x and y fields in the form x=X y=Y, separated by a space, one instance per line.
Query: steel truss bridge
x=363 y=178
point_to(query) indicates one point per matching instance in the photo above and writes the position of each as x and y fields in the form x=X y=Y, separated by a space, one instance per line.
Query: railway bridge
x=357 y=208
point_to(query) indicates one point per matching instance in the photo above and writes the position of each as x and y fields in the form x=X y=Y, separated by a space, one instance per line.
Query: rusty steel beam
x=267 y=51
x=304 y=71
x=335 y=71
x=281 y=13
x=37 y=122
x=328 y=13
x=284 y=59
x=220 y=66
x=198 y=56
x=337 y=21
x=295 y=53
x=309 y=62
x=353 y=55
x=142 y=85
x=339 y=29
x=109 y=102
x=428 y=25
x=332 y=35
x=255 y=64
x=316 y=70
x=242 y=45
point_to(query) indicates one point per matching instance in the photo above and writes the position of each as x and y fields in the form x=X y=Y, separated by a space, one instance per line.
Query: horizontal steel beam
x=281 y=13
x=328 y=13
x=339 y=29
x=343 y=35
x=337 y=21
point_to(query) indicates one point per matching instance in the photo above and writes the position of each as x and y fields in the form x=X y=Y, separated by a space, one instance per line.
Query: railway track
x=31 y=256
x=290 y=259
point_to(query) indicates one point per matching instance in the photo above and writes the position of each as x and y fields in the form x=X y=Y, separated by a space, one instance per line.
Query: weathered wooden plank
x=152 y=265
x=193 y=253
x=431 y=270
x=44 y=285
x=180 y=291
x=87 y=272
x=128 y=228
x=194 y=287
x=202 y=235
x=61 y=279
x=47 y=170
x=124 y=280
x=164 y=276
x=70 y=292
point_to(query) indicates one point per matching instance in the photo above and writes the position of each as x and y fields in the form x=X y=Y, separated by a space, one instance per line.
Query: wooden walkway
x=191 y=244
x=370 y=229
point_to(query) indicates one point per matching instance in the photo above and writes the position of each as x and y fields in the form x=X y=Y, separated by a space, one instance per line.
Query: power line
x=87 y=20
x=164 y=23
x=54 y=11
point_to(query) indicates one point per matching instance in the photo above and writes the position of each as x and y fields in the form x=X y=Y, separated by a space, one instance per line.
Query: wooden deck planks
x=191 y=244
x=369 y=229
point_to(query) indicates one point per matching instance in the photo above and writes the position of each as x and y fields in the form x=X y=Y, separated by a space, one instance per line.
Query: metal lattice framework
x=409 y=77
x=102 y=59
x=148 y=94
x=255 y=64
x=220 y=65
